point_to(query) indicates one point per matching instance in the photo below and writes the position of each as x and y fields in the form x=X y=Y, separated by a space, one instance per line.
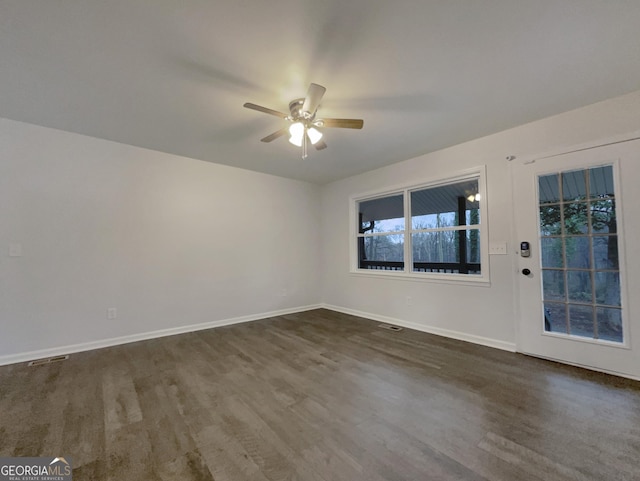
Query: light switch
x=498 y=248
x=15 y=250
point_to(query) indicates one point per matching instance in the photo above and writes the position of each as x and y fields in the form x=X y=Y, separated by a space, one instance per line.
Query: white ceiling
x=172 y=75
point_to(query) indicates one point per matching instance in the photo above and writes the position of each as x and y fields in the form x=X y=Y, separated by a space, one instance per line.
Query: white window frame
x=407 y=273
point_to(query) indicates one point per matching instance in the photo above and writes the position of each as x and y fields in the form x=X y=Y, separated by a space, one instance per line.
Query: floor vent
x=48 y=360
x=389 y=327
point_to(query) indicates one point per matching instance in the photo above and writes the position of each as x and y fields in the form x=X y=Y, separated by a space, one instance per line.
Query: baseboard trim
x=116 y=341
x=461 y=336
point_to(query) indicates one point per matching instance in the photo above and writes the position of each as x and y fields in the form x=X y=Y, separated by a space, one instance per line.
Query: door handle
x=526 y=272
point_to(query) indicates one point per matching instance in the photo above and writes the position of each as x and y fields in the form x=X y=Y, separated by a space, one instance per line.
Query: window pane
x=603 y=216
x=381 y=251
x=550 y=221
x=573 y=185
x=548 y=188
x=553 y=285
x=440 y=206
x=381 y=215
x=435 y=246
x=578 y=252
x=581 y=320
x=579 y=286
x=601 y=182
x=473 y=216
x=555 y=317
x=605 y=252
x=473 y=246
x=552 y=252
x=575 y=218
x=608 y=288
x=441 y=252
x=434 y=221
x=609 y=324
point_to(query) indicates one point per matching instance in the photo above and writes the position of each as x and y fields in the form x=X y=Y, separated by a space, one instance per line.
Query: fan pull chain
x=304 y=144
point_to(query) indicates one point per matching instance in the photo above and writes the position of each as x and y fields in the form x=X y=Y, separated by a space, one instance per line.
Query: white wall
x=169 y=241
x=481 y=314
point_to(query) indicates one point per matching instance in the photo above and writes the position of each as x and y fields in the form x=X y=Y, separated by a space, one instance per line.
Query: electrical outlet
x=409 y=300
x=112 y=313
x=283 y=292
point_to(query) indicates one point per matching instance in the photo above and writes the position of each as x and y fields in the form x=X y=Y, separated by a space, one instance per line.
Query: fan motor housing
x=296 y=113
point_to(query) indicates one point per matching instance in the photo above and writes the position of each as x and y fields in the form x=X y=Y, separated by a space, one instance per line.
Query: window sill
x=454 y=279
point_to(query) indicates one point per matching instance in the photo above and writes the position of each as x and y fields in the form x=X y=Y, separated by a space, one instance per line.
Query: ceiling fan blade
x=320 y=145
x=275 y=135
x=313 y=98
x=259 y=108
x=343 y=123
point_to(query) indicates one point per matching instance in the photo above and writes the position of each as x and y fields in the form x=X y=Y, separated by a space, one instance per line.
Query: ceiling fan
x=304 y=122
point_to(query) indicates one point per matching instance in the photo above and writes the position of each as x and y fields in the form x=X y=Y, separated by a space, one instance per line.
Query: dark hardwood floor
x=320 y=396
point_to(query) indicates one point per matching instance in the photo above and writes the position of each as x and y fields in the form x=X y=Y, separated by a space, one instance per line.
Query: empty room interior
x=338 y=240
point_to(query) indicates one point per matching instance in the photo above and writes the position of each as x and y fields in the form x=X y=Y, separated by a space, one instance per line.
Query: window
x=426 y=231
x=381 y=233
x=579 y=248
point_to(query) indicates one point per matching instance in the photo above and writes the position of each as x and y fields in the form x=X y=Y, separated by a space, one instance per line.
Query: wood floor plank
x=528 y=459
x=320 y=396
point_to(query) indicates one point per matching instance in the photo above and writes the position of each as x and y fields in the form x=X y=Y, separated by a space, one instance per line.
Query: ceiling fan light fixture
x=304 y=126
x=297 y=133
x=296 y=141
x=314 y=135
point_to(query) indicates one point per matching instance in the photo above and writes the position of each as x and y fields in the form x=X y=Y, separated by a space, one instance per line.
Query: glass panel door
x=577 y=213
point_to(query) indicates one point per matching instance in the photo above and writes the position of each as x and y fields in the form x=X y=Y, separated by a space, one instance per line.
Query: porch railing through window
x=434 y=267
